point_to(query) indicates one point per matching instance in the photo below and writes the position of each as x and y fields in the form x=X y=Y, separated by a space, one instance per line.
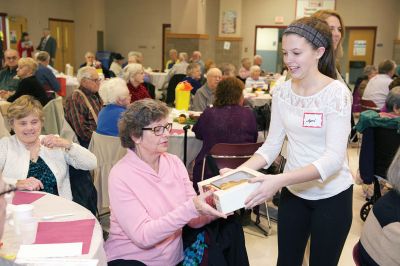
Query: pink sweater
x=148 y=210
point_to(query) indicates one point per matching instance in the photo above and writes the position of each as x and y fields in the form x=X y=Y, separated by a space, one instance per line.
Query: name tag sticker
x=313 y=120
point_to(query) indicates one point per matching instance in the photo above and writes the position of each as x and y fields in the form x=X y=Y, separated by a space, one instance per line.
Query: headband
x=309 y=33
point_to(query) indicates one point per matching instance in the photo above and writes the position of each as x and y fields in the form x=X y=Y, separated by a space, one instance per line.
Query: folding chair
x=369 y=105
x=226 y=155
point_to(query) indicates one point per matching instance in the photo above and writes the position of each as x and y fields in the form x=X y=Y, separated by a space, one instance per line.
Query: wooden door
x=361 y=44
x=17 y=25
x=68 y=44
x=63 y=32
x=56 y=32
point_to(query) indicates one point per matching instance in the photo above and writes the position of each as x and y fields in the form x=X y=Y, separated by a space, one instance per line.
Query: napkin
x=175 y=131
x=66 y=232
x=25 y=197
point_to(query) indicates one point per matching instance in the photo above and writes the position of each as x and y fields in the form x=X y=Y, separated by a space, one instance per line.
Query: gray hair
x=130 y=70
x=393 y=173
x=369 y=69
x=254 y=68
x=89 y=53
x=42 y=56
x=191 y=67
x=137 y=116
x=386 y=66
x=85 y=73
x=228 y=69
x=183 y=57
x=393 y=99
x=111 y=90
x=134 y=53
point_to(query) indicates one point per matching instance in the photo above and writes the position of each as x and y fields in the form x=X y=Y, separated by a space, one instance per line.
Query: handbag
x=83 y=190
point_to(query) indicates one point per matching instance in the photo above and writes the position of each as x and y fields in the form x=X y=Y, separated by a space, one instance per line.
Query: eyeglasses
x=159 y=130
x=8 y=190
x=12 y=58
x=94 y=80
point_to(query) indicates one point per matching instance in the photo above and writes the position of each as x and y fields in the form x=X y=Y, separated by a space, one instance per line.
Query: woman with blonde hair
x=29 y=85
x=42 y=160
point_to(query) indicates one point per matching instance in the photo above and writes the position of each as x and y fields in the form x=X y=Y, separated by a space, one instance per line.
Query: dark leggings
x=327 y=222
x=120 y=262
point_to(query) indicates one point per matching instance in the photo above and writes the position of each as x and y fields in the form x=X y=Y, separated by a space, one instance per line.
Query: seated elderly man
x=8 y=84
x=257 y=61
x=173 y=59
x=90 y=60
x=44 y=75
x=392 y=104
x=228 y=70
x=378 y=87
x=83 y=106
x=204 y=96
x=196 y=58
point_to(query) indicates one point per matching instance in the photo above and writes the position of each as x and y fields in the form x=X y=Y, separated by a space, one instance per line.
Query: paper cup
x=20 y=213
x=28 y=228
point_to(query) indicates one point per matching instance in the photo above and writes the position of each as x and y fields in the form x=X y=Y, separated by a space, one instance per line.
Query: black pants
x=125 y=263
x=326 y=221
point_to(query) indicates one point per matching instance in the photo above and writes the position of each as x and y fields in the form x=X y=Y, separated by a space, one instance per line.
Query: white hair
x=130 y=70
x=254 y=68
x=112 y=89
x=183 y=56
x=134 y=53
x=85 y=72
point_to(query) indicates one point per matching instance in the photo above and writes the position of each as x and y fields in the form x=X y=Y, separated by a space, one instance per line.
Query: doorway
x=358 y=51
x=63 y=31
x=17 y=25
x=268 y=44
x=166 y=28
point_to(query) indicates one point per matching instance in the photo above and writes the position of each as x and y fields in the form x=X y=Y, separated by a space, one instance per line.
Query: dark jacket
x=50 y=47
x=30 y=86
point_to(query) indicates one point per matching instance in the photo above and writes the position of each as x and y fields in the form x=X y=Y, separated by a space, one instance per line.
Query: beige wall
x=134 y=25
x=384 y=14
x=231 y=5
x=88 y=16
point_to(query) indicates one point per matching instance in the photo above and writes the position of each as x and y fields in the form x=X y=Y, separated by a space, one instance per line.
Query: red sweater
x=138 y=93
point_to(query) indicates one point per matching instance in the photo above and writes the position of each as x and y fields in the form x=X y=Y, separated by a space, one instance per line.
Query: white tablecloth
x=175 y=145
x=52 y=205
x=257 y=100
x=157 y=79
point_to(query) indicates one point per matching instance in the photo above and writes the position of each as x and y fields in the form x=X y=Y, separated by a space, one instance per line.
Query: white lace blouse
x=317 y=128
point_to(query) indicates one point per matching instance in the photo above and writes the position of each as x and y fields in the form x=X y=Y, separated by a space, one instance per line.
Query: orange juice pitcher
x=182 y=95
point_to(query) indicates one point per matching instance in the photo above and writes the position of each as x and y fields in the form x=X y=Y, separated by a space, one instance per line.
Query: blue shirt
x=196 y=84
x=46 y=78
x=109 y=116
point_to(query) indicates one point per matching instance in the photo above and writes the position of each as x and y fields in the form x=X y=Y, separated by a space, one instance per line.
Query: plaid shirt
x=78 y=114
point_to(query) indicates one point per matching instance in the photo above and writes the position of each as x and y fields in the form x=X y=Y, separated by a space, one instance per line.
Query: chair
x=225 y=155
x=151 y=89
x=54 y=117
x=108 y=151
x=369 y=105
x=3 y=129
x=378 y=148
x=175 y=79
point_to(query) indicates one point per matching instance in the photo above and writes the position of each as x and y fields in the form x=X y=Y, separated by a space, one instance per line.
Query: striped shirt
x=78 y=114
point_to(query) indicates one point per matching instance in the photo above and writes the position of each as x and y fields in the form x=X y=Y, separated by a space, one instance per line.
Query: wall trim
x=228 y=38
x=62 y=20
x=172 y=35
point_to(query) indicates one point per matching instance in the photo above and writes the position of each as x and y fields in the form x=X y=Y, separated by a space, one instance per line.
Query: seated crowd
x=157 y=216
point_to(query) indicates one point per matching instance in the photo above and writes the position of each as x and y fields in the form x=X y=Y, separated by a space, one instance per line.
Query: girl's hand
x=267 y=189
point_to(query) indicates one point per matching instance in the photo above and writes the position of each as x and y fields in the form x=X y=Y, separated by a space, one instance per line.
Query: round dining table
x=50 y=205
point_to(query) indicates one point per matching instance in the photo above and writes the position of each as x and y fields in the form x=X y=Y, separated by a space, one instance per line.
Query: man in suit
x=48 y=44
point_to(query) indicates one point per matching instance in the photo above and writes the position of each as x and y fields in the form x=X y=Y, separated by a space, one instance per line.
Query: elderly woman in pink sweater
x=151 y=196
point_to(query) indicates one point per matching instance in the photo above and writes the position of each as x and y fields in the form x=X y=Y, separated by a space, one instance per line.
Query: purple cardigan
x=227 y=124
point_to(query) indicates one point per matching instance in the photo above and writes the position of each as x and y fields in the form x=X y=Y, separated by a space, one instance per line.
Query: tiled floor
x=263 y=251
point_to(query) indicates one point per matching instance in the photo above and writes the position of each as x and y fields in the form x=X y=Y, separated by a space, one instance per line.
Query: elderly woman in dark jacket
x=226 y=122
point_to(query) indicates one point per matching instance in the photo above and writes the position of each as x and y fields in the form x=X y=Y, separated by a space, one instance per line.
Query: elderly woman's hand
x=204 y=208
x=224 y=171
x=53 y=141
x=30 y=183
